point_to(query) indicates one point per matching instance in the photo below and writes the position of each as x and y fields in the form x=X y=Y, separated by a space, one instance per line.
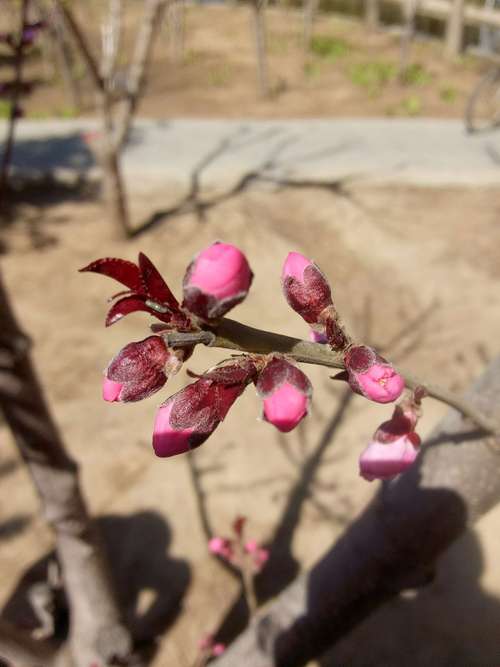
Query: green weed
x=219 y=75
x=312 y=70
x=416 y=75
x=329 y=48
x=372 y=75
x=66 y=112
x=412 y=105
x=4 y=109
x=448 y=94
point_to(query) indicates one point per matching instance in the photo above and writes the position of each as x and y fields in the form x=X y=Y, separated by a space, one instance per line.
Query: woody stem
x=232 y=335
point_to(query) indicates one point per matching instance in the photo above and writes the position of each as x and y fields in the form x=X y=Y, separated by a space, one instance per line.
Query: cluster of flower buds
x=239 y=552
x=218 y=279
x=395 y=444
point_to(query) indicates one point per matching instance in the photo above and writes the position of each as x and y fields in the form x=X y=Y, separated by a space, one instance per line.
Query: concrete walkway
x=220 y=153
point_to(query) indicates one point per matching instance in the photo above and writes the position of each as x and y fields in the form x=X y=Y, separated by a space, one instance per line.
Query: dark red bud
x=305 y=288
x=140 y=368
x=189 y=417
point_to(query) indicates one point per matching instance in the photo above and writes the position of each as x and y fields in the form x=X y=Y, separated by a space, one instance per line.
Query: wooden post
x=258 y=10
x=372 y=14
x=454 y=29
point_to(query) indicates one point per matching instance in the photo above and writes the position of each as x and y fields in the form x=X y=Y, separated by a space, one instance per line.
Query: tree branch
x=14 y=110
x=82 y=43
x=97 y=634
x=151 y=23
x=232 y=335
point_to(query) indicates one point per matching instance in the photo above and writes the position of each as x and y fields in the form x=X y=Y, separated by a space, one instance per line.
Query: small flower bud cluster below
x=238 y=551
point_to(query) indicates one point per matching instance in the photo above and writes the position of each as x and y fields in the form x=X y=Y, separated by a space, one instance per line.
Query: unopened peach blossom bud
x=305 y=288
x=137 y=371
x=221 y=546
x=386 y=460
x=217 y=279
x=371 y=375
x=393 y=448
x=191 y=415
x=286 y=392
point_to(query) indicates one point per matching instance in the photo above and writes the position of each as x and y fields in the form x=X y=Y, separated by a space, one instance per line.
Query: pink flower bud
x=221 y=546
x=305 y=288
x=217 y=279
x=393 y=448
x=371 y=375
x=137 y=371
x=385 y=461
x=259 y=555
x=286 y=392
x=189 y=417
x=218 y=649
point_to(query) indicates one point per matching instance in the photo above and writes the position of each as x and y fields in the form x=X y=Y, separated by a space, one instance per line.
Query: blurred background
x=361 y=134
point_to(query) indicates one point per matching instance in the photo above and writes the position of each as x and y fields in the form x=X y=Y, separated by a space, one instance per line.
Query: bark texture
x=392 y=546
x=97 y=634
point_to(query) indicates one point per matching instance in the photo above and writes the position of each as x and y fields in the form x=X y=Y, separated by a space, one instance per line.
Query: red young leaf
x=125 y=306
x=121 y=270
x=156 y=288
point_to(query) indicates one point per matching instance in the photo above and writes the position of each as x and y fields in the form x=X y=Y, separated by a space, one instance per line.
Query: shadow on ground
x=451 y=623
x=150 y=584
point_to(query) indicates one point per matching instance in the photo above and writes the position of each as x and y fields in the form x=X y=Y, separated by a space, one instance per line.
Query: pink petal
x=111 y=390
x=385 y=461
x=294 y=266
x=220 y=270
x=168 y=441
x=218 y=649
x=285 y=407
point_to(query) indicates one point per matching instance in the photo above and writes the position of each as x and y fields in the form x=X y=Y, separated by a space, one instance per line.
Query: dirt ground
x=418 y=267
x=349 y=72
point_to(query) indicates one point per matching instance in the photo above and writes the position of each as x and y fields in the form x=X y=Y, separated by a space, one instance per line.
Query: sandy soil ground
x=349 y=73
x=416 y=270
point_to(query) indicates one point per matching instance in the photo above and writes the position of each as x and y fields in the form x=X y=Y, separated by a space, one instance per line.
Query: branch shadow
x=33 y=182
x=150 y=584
x=14 y=526
x=423 y=621
x=272 y=169
x=282 y=568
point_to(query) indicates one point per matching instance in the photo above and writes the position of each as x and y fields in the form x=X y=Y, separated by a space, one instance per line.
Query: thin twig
x=236 y=336
x=14 y=110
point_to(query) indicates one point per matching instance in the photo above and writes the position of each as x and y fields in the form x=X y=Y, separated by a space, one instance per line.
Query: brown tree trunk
x=97 y=633
x=258 y=9
x=393 y=545
x=454 y=29
x=176 y=19
x=410 y=13
x=372 y=14
x=310 y=10
x=13 y=113
x=114 y=189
